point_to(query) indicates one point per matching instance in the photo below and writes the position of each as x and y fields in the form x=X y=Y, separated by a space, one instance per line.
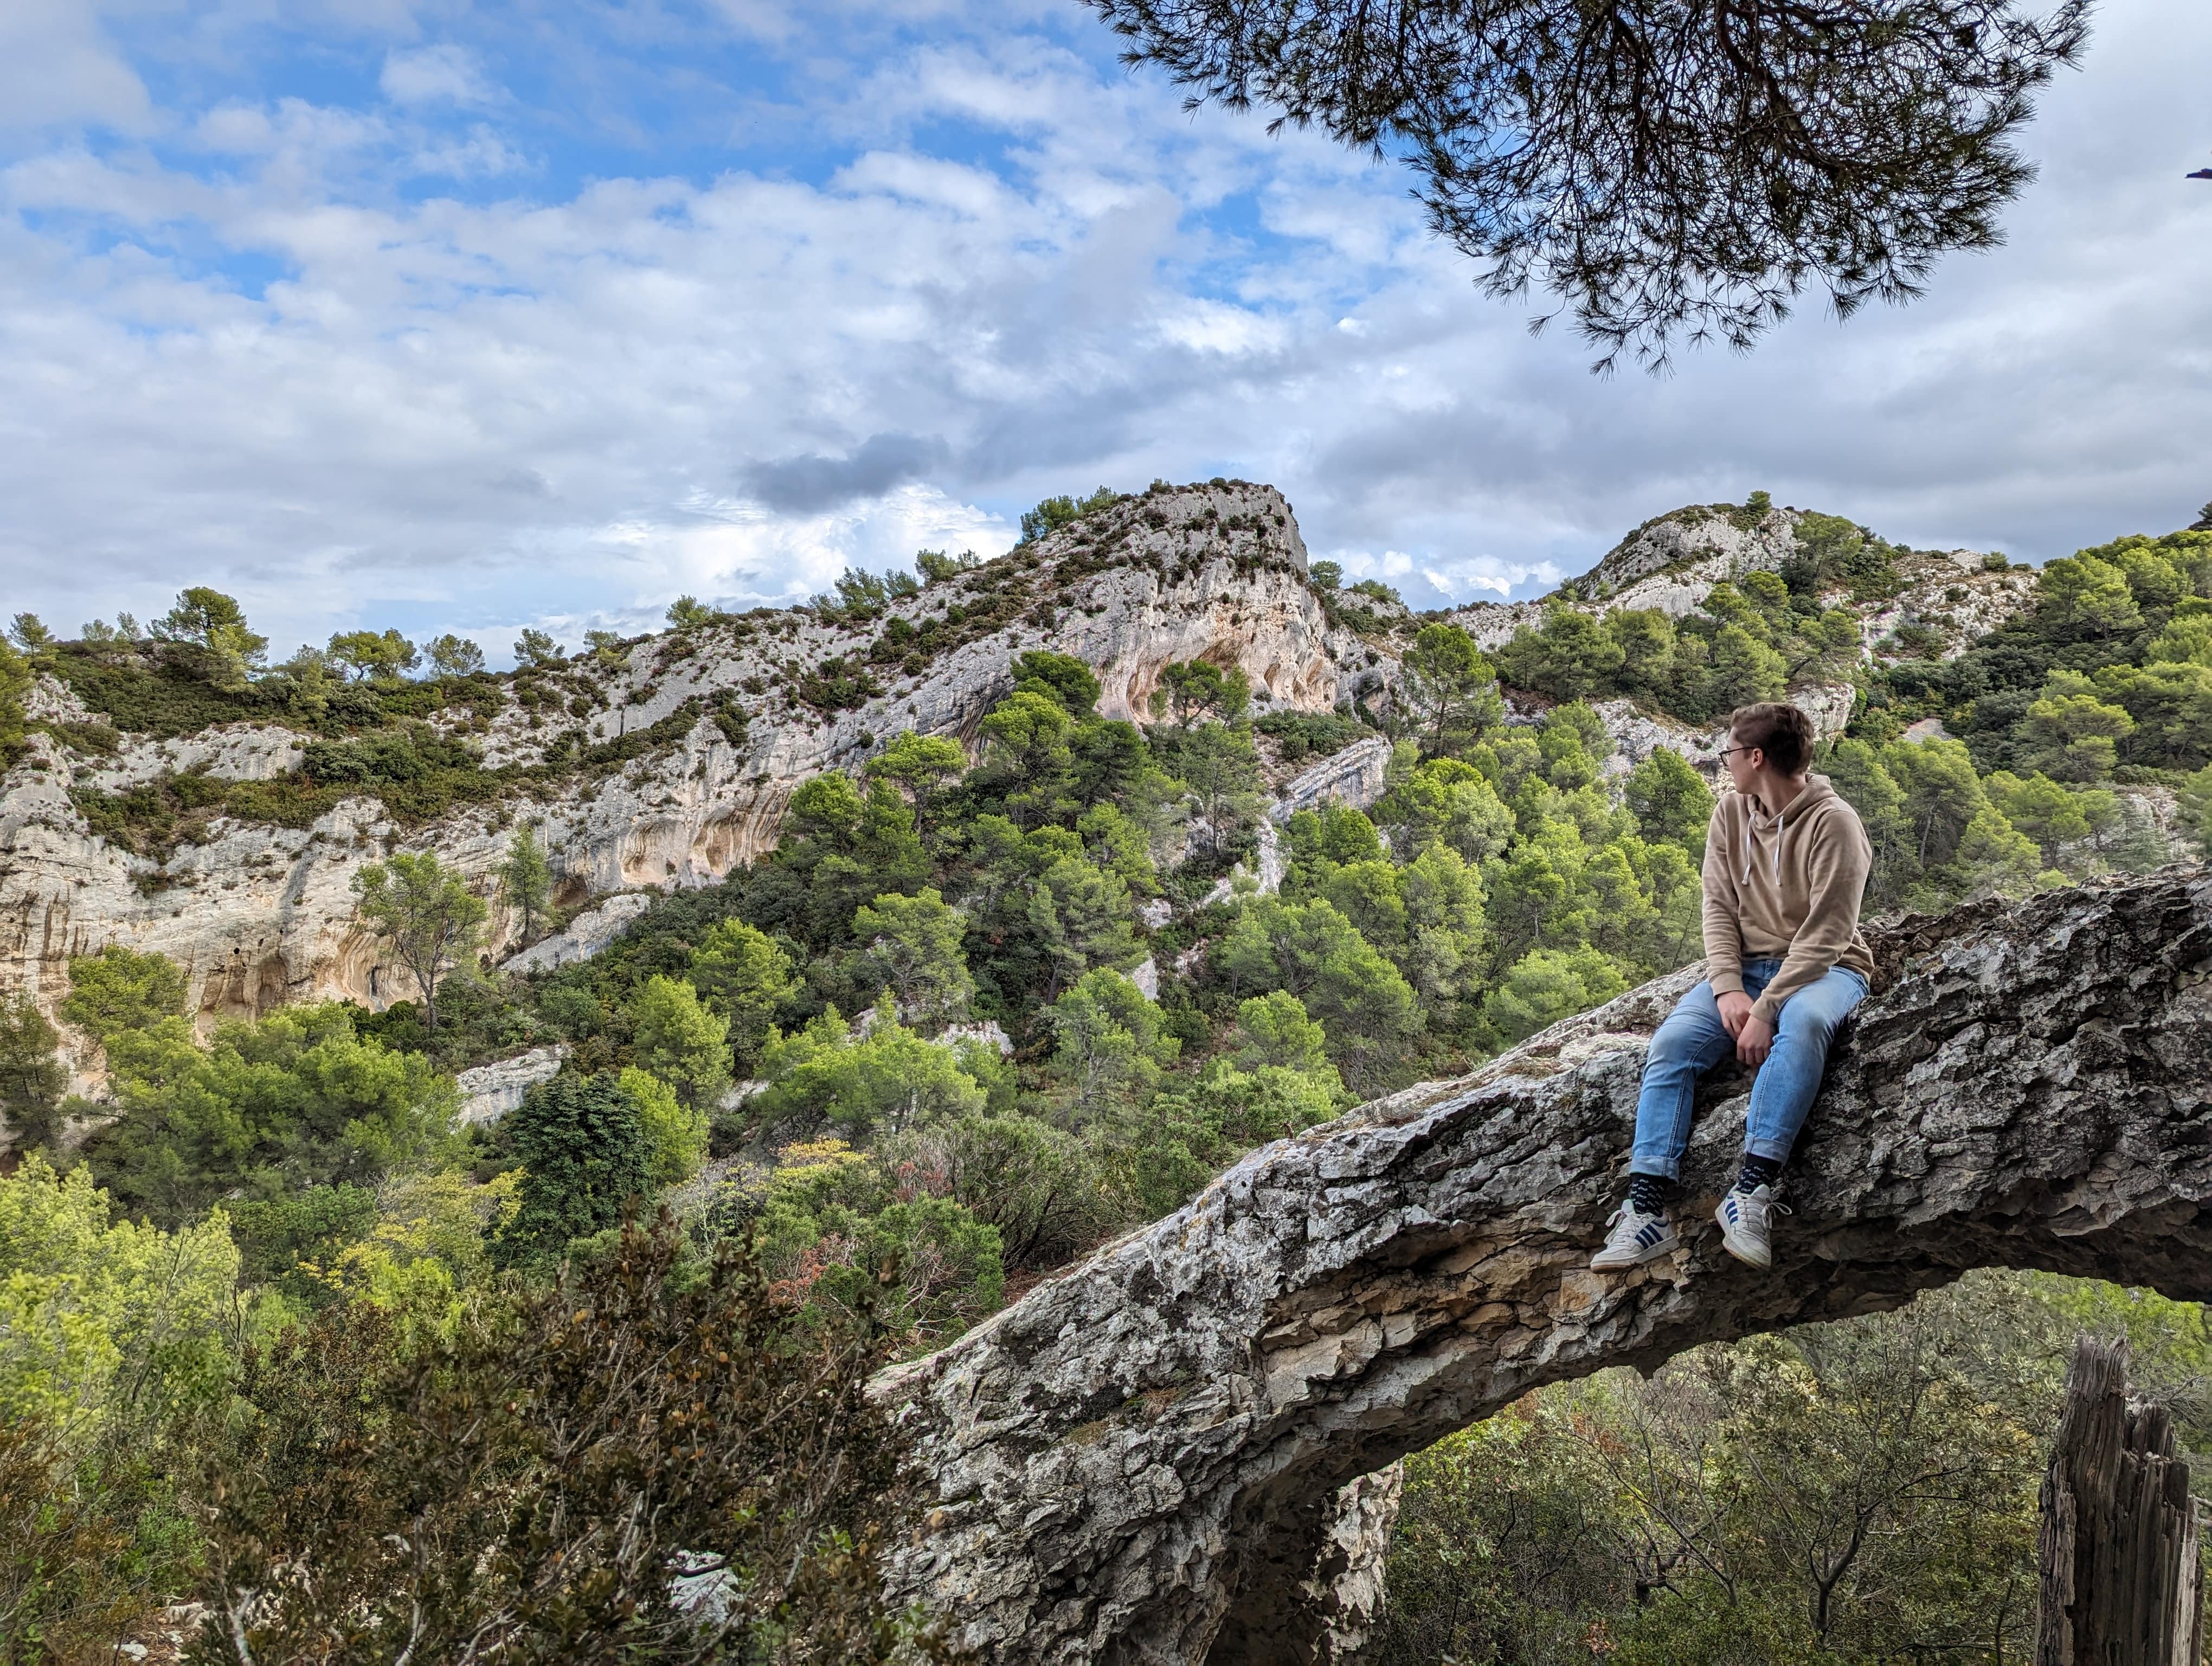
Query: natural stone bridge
x=1159 y=1456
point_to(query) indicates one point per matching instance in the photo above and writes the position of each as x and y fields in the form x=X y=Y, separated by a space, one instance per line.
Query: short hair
x=1779 y=729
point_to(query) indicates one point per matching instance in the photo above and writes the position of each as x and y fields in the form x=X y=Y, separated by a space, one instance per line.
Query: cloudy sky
x=419 y=314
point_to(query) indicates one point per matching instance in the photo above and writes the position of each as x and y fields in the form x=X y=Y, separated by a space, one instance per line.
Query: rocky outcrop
x=230 y=752
x=582 y=937
x=1636 y=734
x=258 y=915
x=490 y=1091
x=1357 y=776
x=1147 y=1458
x=1672 y=563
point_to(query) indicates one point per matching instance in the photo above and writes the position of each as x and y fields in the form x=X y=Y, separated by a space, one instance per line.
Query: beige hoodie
x=1786 y=886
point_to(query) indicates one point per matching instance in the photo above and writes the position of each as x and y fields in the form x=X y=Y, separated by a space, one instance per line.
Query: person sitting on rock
x=1786 y=865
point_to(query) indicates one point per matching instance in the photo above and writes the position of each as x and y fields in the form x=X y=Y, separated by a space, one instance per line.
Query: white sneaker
x=1635 y=1240
x=1746 y=1220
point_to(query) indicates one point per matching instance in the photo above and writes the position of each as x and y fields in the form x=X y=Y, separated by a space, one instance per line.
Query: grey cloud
x=524 y=482
x=807 y=485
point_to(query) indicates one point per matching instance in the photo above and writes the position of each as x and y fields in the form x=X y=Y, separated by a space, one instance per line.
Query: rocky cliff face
x=1157 y=1456
x=258 y=915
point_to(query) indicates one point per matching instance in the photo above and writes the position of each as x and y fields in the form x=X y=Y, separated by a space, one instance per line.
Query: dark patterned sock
x=1647 y=1193
x=1758 y=1172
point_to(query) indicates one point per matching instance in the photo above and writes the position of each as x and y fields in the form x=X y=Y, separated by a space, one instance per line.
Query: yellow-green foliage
x=1858 y=1491
x=675 y=1133
x=429 y=1244
x=827 y=1077
x=102 y=1319
x=119 y=988
x=680 y=1041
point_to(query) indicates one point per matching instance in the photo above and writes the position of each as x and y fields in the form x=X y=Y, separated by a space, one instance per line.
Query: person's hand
x=1736 y=1012
x=1754 y=1041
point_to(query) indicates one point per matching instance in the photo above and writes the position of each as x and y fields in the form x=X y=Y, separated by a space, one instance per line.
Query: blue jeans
x=1694 y=1040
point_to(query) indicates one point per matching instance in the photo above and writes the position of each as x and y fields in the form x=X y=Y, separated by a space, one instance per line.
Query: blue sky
x=379 y=313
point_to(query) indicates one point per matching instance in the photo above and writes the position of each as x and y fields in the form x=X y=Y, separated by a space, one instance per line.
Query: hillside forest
x=282 y=1334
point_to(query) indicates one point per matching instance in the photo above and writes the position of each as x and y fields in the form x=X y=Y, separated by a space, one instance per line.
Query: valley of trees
x=280 y=1307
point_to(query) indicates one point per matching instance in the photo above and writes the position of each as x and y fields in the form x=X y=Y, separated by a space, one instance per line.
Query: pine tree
x=525 y=879
x=428 y=915
x=32 y=1078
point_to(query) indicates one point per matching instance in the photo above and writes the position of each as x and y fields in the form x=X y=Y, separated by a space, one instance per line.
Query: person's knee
x=1676 y=1043
x=1816 y=1023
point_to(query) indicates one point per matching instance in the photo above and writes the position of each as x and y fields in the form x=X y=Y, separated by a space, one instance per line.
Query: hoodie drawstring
x=1751 y=840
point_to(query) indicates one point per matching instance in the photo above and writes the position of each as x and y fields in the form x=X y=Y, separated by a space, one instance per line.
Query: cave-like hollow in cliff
x=1179 y=1451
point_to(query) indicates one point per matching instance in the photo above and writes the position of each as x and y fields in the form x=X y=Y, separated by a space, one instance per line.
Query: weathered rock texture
x=1145 y=1459
x=582 y=937
x=490 y=1091
x=1357 y=776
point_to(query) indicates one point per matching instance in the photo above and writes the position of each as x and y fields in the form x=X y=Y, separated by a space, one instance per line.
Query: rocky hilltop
x=1672 y=563
x=664 y=761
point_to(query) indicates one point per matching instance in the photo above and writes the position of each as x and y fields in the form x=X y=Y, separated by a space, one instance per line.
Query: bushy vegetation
x=977 y=1012
x=1055 y=513
x=273 y=1363
x=2103 y=681
x=370 y=725
x=1299 y=736
x=2102 y=685
x=2108 y=676
x=1750 y=639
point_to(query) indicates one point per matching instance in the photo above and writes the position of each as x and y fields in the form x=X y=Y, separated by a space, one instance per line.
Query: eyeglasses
x=1725 y=751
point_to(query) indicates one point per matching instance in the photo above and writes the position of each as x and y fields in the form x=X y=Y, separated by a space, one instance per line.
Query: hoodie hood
x=1763 y=831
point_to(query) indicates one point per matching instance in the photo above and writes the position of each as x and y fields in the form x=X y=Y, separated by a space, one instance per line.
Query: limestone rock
x=1145 y=1458
x=582 y=937
x=1636 y=734
x=230 y=752
x=1672 y=563
x=490 y=1091
x=1356 y=775
x=1264 y=877
x=259 y=916
x=991 y=1033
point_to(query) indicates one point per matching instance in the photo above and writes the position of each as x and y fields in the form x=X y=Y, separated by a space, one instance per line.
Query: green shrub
x=1301 y=735
x=586 y=1159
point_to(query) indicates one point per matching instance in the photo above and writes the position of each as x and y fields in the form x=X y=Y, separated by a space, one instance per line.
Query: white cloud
x=58 y=66
x=481 y=154
x=433 y=74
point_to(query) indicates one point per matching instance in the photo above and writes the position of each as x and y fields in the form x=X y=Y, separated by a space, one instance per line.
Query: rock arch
x=1159 y=1456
